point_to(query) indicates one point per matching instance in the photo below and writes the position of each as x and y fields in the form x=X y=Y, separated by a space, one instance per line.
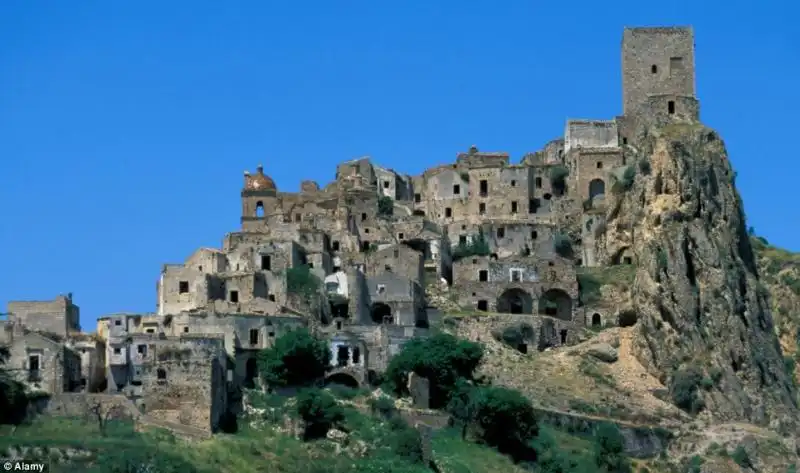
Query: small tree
x=475 y=246
x=385 y=206
x=441 y=358
x=610 y=450
x=301 y=281
x=319 y=412
x=504 y=419
x=558 y=178
x=562 y=245
x=685 y=389
x=460 y=406
x=13 y=400
x=296 y=359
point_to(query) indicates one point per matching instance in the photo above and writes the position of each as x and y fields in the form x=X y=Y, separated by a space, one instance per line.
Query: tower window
x=654 y=69
x=253 y=336
x=484 y=188
x=385 y=184
x=259 y=209
x=671 y=107
x=183 y=287
x=456 y=189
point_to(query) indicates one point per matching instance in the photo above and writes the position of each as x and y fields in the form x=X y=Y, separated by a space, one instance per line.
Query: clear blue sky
x=125 y=127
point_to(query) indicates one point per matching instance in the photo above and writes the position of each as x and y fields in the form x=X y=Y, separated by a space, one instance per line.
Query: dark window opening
x=298 y=217
x=513 y=183
x=200 y=268
x=335 y=245
x=671 y=107
x=234 y=296
x=117 y=351
x=462 y=239
x=596 y=320
x=483 y=275
x=342 y=356
x=654 y=69
x=118 y=322
x=142 y=350
x=456 y=189
x=185 y=329
x=271 y=297
x=537 y=182
x=161 y=374
x=417 y=198
x=484 y=188
x=533 y=206
x=419 y=213
x=150 y=330
x=366 y=230
x=448 y=212
x=364 y=246
x=627 y=260
x=363 y=216
x=547 y=197
x=624 y=140
x=501 y=232
x=563 y=336
x=260 y=209
x=482 y=208
x=266 y=263
x=513 y=207
x=253 y=336
x=33 y=368
x=385 y=184
x=483 y=305
x=599 y=165
x=183 y=287
x=401 y=236
x=523 y=348
x=516 y=275
x=356 y=355
x=534 y=234
x=338 y=325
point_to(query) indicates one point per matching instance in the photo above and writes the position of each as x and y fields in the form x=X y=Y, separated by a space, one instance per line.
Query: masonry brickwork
x=356 y=260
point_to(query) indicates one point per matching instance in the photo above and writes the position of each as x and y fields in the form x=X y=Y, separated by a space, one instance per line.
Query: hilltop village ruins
x=368 y=261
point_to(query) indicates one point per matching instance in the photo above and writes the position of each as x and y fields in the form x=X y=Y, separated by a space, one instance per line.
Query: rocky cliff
x=702 y=308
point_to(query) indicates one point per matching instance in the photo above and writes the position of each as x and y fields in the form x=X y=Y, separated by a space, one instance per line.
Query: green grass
x=591 y=279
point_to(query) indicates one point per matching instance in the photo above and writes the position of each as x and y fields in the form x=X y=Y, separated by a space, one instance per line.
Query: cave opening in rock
x=628 y=318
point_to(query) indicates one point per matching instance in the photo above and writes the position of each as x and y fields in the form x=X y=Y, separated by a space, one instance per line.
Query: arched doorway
x=381 y=313
x=515 y=301
x=596 y=187
x=250 y=373
x=556 y=303
x=341 y=379
x=597 y=321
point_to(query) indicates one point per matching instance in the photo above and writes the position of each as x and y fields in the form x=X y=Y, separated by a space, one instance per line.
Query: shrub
x=685 y=389
x=610 y=450
x=589 y=288
x=624 y=181
x=741 y=457
x=514 y=335
x=503 y=418
x=562 y=245
x=383 y=406
x=13 y=400
x=475 y=246
x=300 y=280
x=644 y=166
x=558 y=178
x=406 y=442
x=319 y=411
x=296 y=359
x=385 y=206
x=441 y=358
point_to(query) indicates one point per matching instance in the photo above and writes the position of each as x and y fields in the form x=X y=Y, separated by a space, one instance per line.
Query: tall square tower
x=656 y=61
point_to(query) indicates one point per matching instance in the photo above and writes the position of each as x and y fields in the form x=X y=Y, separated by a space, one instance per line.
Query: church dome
x=258 y=181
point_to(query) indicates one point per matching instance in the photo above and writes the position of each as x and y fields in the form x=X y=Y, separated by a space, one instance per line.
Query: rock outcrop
x=697 y=291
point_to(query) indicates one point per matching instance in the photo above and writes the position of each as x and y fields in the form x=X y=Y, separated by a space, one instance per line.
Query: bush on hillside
x=441 y=358
x=475 y=246
x=685 y=389
x=13 y=400
x=385 y=207
x=610 y=450
x=562 y=245
x=296 y=359
x=300 y=280
x=319 y=412
x=504 y=419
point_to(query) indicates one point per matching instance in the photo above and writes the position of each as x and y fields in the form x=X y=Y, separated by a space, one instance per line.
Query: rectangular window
x=482 y=208
x=483 y=275
x=516 y=275
x=448 y=212
x=363 y=216
x=456 y=189
x=462 y=239
x=514 y=207
x=484 y=188
x=533 y=206
x=234 y=296
x=534 y=234
x=417 y=198
x=117 y=351
x=537 y=182
x=385 y=184
x=183 y=287
x=401 y=236
x=298 y=217
x=253 y=336
x=675 y=64
x=671 y=107
x=266 y=262
x=501 y=232
x=142 y=350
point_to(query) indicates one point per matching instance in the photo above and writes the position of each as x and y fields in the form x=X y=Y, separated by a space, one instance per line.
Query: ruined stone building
x=357 y=260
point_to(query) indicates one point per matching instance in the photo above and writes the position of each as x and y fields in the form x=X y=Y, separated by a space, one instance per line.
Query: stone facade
x=355 y=261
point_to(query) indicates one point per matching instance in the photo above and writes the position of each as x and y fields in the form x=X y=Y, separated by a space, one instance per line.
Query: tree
x=296 y=359
x=319 y=411
x=610 y=450
x=385 y=206
x=13 y=400
x=441 y=358
x=460 y=406
x=504 y=419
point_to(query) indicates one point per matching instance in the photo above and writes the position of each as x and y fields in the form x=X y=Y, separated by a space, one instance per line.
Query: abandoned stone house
x=371 y=241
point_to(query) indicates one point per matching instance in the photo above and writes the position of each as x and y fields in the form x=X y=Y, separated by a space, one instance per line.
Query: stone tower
x=656 y=62
x=258 y=199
